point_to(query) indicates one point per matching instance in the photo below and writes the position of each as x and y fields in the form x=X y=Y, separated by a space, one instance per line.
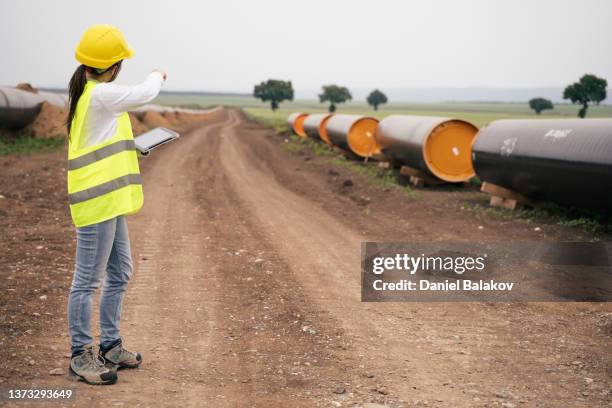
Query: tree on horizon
x=540 y=104
x=589 y=89
x=334 y=94
x=275 y=91
x=376 y=98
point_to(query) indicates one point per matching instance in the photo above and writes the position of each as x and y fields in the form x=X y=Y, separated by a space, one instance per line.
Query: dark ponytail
x=77 y=86
x=75 y=90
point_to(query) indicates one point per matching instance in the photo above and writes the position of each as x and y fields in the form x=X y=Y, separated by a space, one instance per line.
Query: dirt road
x=246 y=293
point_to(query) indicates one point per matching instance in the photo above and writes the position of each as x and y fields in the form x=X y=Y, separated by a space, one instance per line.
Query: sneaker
x=118 y=357
x=88 y=367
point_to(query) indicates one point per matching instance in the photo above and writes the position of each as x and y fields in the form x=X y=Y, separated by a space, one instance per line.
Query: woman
x=103 y=187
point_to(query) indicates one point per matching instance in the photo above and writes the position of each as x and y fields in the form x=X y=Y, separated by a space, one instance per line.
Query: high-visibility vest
x=104 y=179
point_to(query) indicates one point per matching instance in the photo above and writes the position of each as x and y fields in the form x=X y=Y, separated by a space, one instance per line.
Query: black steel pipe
x=315 y=126
x=19 y=108
x=338 y=128
x=354 y=133
x=568 y=161
x=437 y=146
x=296 y=123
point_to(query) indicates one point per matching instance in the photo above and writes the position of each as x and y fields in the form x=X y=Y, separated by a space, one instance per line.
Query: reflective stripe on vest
x=96 y=155
x=104 y=188
x=103 y=180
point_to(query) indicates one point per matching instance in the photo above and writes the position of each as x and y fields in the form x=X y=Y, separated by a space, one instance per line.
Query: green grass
x=385 y=178
x=296 y=144
x=585 y=220
x=279 y=126
x=26 y=144
x=204 y=101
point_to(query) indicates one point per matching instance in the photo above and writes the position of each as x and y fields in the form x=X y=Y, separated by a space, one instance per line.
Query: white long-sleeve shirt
x=109 y=101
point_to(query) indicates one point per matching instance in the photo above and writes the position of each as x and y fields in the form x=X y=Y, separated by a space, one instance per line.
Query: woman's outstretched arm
x=120 y=98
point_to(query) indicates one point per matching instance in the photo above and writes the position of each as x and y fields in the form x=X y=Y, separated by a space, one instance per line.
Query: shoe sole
x=72 y=375
x=113 y=366
x=121 y=366
x=128 y=366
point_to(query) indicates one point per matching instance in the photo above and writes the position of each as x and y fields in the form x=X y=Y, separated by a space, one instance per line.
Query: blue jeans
x=100 y=247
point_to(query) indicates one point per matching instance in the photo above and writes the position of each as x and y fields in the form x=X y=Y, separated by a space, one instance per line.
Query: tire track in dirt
x=325 y=257
x=212 y=306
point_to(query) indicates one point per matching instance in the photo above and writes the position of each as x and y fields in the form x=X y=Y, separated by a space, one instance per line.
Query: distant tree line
x=276 y=91
x=590 y=89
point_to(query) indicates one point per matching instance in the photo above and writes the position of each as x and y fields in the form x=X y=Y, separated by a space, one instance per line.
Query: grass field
x=478 y=113
x=204 y=101
x=27 y=144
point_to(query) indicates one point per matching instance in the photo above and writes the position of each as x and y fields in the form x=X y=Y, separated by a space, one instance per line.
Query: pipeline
x=315 y=126
x=296 y=123
x=19 y=108
x=439 y=147
x=567 y=161
x=354 y=133
x=172 y=109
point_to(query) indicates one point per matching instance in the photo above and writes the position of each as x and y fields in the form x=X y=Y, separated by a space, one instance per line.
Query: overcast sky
x=229 y=45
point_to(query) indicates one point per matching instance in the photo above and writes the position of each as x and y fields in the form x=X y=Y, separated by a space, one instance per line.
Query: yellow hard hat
x=101 y=46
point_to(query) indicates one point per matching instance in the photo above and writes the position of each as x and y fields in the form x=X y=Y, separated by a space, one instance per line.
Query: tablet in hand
x=154 y=138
